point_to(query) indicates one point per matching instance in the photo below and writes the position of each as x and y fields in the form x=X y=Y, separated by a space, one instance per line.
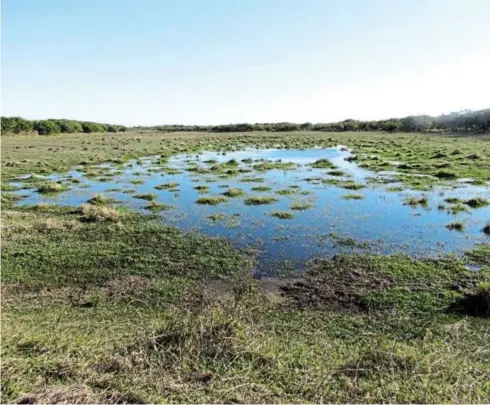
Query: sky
x=149 y=62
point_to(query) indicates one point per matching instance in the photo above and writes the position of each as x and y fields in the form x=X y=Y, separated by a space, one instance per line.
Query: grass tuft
x=211 y=200
x=283 y=214
x=260 y=200
x=94 y=213
x=234 y=192
x=47 y=188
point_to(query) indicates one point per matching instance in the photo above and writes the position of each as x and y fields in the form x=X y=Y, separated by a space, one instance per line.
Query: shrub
x=47 y=127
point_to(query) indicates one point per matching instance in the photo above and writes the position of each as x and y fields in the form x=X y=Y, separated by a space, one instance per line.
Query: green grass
x=146 y=302
x=283 y=214
x=323 y=164
x=167 y=186
x=252 y=179
x=301 y=205
x=416 y=201
x=211 y=200
x=455 y=226
x=351 y=185
x=269 y=165
x=156 y=206
x=234 y=192
x=101 y=305
x=146 y=196
x=260 y=200
x=286 y=191
x=477 y=202
x=100 y=199
x=50 y=187
x=202 y=188
x=261 y=188
x=353 y=197
x=336 y=173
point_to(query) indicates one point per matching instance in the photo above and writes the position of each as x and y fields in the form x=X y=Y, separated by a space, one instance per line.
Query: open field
x=105 y=303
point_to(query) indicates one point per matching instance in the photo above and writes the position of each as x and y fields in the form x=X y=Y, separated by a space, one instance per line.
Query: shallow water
x=380 y=222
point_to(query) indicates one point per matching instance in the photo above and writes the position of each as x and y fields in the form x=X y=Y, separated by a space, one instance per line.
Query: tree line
x=463 y=121
x=18 y=125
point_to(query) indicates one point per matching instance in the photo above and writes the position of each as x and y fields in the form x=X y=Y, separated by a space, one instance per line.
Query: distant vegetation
x=17 y=125
x=464 y=121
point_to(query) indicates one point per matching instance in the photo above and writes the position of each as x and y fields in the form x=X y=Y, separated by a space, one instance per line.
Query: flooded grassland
x=246 y=267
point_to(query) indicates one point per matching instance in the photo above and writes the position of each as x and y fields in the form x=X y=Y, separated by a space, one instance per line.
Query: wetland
x=245 y=267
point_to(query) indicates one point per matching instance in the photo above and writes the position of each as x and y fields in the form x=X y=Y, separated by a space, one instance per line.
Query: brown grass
x=92 y=213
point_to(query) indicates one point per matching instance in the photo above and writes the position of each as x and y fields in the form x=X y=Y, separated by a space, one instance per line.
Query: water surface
x=380 y=222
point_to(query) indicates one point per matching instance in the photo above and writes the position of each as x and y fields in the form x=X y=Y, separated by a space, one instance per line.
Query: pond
x=316 y=202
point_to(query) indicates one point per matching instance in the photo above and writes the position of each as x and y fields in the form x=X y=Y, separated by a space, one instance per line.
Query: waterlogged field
x=245 y=268
x=289 y=205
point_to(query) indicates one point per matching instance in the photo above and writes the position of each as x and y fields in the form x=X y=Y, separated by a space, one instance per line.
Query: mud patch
x=328 y=287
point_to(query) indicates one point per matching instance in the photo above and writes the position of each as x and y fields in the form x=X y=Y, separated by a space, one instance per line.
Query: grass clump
x=137 y=181
x=336 y=173
x=283 y=214
x=260 y=200
x=455 y=226
x=252 y=179
x=477 y=202
x=95 y=213
x=301 y=205
x=167 y=186
x=446 y=175
x=286 y=191
x=415 y=201
x=9 y=187
x=51 y=187
x=202 y=188
x=146 y=196
x=211 y=200
x=268 y=165
x=156 y=206
x=353 y=197
x=234 y=192
x=351 y=185
x=261 y=188
x=457 y=208
x=323 y=164
x=100 y=199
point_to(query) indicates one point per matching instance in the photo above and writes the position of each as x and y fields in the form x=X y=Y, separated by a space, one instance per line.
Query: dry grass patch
x=93 y=213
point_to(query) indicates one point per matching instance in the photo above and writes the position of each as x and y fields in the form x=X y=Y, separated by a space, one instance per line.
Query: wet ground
x=341 y=209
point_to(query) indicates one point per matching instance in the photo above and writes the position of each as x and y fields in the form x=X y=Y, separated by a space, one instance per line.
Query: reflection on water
x=380 y=222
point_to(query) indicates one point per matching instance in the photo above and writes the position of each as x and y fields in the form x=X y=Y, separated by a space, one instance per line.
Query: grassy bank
x=100 y=304
x=130 y=310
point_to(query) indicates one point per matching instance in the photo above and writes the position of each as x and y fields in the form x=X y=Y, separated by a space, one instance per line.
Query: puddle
x=379 y=222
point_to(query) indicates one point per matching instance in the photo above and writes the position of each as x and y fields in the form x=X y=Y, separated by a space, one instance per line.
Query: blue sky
x=219 y=61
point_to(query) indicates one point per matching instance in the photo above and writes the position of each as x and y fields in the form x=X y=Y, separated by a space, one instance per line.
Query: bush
x=16 y=125
x=47 y=127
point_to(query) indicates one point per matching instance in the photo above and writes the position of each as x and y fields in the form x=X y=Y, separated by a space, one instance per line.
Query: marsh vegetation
x=260 y=268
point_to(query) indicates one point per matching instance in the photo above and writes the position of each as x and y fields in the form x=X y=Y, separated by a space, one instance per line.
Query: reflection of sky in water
x=381 y=218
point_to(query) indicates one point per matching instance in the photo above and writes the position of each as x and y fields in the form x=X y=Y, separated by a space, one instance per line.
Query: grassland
x=100 y=304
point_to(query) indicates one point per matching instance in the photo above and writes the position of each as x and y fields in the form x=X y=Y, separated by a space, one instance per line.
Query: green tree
x=47 y=127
